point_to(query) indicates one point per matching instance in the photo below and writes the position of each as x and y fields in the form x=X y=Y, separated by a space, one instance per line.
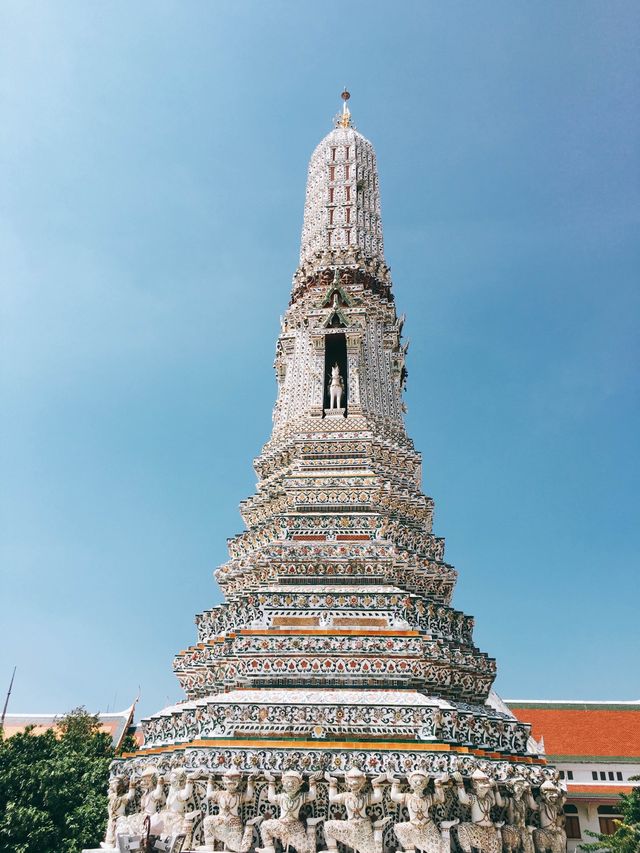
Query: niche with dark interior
x=335 y=351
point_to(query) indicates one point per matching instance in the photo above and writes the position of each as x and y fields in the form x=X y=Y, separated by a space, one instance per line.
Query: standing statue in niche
x=227 y=825
x=516 y=833
x=357 y=831
x=117 y=806
x=551 y=837
x=419 y=832
x=336 y=388
x=480 y=833
x=288 y=829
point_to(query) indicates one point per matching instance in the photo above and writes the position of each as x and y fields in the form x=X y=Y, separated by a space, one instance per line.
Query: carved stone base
x=329 y=413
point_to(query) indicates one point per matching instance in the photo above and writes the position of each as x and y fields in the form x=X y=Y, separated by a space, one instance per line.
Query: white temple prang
x=336 y=700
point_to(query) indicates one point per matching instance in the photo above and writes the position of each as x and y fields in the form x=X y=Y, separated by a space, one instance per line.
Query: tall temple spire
x=336 y=649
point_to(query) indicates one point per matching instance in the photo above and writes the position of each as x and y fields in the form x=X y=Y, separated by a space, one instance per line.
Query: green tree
x=53 y=787
x=626 y=838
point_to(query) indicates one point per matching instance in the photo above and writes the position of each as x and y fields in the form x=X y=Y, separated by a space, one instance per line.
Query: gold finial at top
x=344 y=120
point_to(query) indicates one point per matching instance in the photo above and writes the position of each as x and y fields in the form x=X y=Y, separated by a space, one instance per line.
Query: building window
x=346 y=172
x=611 y=776
x=570 y=775
x=619 y=776
x=607 y=825
x=562 y=774
x=331 y=212
x=348 y=214
x=572 y=821
x=348 y=190
x=330 y=195
x=603 y=776
x=607 y=817
x=332 y=173
x=594 y=775
x=333 y=154
x=347 y=149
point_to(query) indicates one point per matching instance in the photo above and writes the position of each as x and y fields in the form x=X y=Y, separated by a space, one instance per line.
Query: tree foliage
x=626 y=838
x=53 y=787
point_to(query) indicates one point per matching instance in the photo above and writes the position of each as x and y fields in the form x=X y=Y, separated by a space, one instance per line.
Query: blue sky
x=152 y=164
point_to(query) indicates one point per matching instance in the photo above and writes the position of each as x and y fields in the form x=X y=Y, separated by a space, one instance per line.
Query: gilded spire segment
x=344 y=119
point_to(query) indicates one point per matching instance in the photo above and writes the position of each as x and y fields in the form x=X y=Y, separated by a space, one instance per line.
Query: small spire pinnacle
x=344 y=120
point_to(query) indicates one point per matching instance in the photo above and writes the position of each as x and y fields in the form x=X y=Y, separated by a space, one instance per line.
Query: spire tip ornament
x=344 y=119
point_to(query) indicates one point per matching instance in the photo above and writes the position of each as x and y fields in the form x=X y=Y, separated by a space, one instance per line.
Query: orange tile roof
x=599 y=790
x=116 y=724
x=583 y=730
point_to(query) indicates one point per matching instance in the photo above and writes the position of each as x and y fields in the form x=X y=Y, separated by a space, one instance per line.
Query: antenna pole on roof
x=6 y=701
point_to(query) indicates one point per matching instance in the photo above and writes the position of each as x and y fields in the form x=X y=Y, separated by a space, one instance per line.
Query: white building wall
x=582 y=773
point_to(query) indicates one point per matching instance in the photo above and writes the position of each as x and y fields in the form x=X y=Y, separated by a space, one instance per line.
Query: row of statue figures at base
x=172 y=814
